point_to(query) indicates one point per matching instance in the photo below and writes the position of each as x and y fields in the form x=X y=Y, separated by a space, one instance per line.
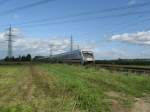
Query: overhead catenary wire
x=132 y=25
x=72 y=18
x=86 y=19
x=84 y=13
x=122 y=15
x=82 y=19
x=17 y=9
x=42 y=21
x=2 y=2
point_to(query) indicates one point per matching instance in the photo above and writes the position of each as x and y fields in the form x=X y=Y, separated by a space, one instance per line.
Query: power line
x=25 y=7
x=131 y=25
x=48 y=20
x=3 y=2
x=86 y=19
x=87 y=13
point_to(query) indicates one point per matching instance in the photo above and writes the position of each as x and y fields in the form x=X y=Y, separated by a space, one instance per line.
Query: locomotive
x=76 y=56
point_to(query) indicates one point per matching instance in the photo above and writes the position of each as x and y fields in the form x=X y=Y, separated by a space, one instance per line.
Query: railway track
x=121 y=68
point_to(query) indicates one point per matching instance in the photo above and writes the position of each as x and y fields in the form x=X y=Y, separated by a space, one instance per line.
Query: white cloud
x=40 y=46
x=2 y=35
x=112 y=53
x=34 y=46
x=141 y=38
x=37 y=46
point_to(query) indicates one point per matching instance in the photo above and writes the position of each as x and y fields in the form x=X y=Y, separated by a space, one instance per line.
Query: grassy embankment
x=64 y=88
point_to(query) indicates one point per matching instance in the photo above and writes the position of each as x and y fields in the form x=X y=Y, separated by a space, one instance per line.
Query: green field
x=69 y=88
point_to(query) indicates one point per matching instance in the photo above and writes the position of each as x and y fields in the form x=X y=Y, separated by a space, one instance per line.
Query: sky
x=112 y=29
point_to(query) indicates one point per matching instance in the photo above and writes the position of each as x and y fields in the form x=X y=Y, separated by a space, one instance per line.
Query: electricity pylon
x=51 y=50
x=71 y=43
x=10 y=41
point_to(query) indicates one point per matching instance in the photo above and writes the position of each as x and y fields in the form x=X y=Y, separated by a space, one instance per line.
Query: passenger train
x=76 y=56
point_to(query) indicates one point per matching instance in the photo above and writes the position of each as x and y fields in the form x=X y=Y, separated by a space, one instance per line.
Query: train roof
x=74 y=51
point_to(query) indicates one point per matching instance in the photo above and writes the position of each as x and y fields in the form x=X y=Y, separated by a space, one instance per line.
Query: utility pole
x=10 y=41
x=71 y=43
x=51 y=50
x=78 y=47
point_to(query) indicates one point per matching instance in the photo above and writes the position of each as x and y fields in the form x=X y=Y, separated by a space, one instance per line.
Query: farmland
x=70 y=88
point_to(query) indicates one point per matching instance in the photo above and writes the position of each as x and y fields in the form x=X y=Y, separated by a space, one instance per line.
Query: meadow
x=71 y=88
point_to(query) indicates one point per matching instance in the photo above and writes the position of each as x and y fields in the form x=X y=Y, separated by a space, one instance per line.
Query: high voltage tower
x=51 y=50
x=51 y=47
x=71 y=43
x=78 y=47
x=10 y=41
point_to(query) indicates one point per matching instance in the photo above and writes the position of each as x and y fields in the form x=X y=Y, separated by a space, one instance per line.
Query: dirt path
x=40 y=90
x=13 y=94
x=35 y=91
x=42 y=80
x=141 y=105
x=34 y=88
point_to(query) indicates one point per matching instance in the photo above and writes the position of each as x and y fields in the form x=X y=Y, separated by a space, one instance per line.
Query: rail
x=121 y=68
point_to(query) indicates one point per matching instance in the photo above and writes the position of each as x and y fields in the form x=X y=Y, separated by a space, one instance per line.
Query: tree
x=6 y=58
x=19 y=58
x=28 y=57
x=23 y=58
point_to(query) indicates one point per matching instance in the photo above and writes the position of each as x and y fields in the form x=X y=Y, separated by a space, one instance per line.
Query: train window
x=88 y=55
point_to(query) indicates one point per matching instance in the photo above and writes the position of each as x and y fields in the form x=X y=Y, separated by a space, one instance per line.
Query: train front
x=88 y=57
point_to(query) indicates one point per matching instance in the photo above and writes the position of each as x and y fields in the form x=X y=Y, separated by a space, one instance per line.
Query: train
x=76 y=56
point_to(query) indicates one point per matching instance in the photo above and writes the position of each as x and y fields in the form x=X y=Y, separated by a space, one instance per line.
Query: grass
x=68 y=88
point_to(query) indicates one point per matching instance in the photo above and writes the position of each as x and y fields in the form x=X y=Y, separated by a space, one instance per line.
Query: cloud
x=141 y=38
x=40 y=46
x=2 y=35
x=37 y=46
x=102 y=50
x=109 y=52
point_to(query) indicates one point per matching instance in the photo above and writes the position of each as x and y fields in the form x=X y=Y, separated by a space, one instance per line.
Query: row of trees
x=19 y=58
x=125 y=62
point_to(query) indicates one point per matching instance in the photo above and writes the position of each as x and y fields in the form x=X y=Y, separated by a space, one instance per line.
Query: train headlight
x=89 y=59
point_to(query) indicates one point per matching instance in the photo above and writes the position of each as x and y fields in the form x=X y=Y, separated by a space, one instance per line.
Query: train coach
x=76 y=56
